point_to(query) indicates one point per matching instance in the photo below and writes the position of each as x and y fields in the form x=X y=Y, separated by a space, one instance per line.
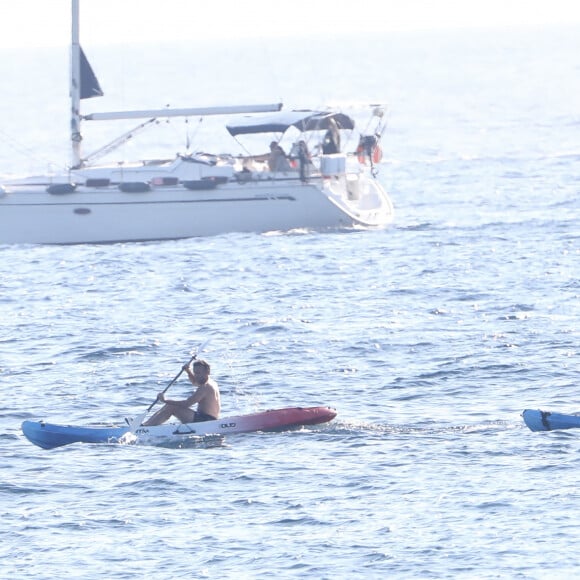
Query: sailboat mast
x=75 y=88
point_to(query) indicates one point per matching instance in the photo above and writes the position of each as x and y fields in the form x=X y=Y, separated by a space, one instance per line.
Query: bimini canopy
x=282 y=121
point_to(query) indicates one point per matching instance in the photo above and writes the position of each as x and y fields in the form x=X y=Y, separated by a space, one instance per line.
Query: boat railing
x=255 y=168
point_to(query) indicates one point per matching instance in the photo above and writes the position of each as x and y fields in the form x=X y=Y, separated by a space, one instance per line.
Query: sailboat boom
x=188 y=112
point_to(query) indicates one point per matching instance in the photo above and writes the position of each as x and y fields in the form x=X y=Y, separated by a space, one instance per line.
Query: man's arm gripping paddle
x=137 y=421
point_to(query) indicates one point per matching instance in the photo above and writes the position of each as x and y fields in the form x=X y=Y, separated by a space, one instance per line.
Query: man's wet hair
x=202 y=363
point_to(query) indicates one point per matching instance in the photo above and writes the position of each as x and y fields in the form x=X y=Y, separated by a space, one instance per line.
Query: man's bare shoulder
x=209 y=386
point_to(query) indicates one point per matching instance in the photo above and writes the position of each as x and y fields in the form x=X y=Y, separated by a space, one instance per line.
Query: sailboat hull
x=29 y=214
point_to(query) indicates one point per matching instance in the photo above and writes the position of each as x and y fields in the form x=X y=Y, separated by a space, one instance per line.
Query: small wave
x=12 y=489
x=417 y=227
x=185 y=442
x=428 y=429
x=113 y=351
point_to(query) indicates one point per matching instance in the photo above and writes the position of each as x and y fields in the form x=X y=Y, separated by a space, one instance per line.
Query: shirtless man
x=207 y=397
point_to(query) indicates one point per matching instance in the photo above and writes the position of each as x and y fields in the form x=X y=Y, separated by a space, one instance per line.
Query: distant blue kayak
x=538 y=420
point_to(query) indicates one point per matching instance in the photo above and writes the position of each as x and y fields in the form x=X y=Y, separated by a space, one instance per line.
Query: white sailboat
x=199 y=194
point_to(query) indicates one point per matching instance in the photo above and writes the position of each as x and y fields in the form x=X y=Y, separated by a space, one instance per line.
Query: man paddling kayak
x=206 y=395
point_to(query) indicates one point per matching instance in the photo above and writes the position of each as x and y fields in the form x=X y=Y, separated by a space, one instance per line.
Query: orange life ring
x=376 y=154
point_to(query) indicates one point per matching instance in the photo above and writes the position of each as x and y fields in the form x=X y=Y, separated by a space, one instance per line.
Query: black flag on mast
x=89 y=84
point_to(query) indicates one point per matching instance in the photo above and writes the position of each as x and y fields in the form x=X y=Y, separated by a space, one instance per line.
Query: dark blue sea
x=429 y=337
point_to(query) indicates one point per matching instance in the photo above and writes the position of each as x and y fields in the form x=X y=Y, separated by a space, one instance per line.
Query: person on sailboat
x=300 y=152
x=206 y=395
x=331 y=141
x=277 y=160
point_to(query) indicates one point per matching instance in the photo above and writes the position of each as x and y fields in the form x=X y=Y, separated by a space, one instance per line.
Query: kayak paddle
x=136 y=422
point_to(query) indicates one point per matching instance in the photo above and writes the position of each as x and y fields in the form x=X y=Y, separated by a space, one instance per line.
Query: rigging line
x=24 y=150
x=367 y=126
x=243 y=146
x=118 y=142
x=191 y=137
